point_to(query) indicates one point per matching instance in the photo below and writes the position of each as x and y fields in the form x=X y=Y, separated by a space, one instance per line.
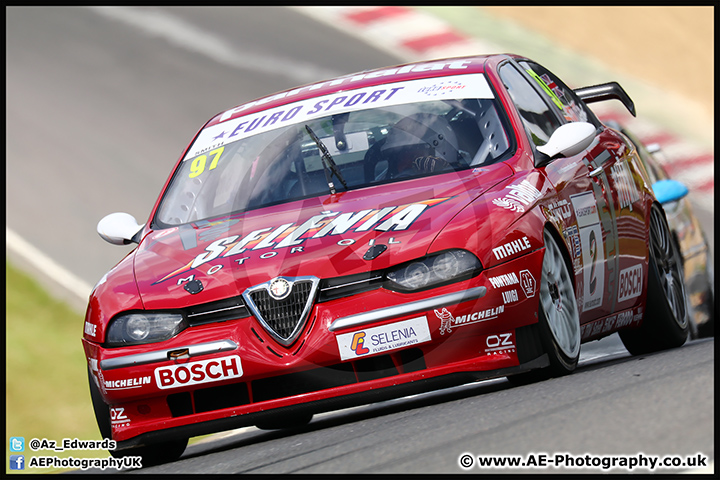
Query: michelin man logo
x=446 y=319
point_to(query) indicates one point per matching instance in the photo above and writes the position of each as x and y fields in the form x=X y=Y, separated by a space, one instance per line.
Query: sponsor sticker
x=499 y=344
x=528 y=283
x=384 y=338
x=90 y=329
x=511 y=248
x=586 y=210
x=627 y=191
x=448 y=321
x=194 y=373
x=118 y=417
x=521 y=195
x=603 y=326
x=511 y=296
x=593 y=253
x=560 y=210
x=630 y=283
x=391 y=94
x=294 y=236
x=573 y=239
x=504 y=280
x=347 y=81
x=127 y=383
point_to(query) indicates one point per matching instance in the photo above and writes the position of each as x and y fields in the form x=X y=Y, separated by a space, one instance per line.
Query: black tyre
x=102 y=412
x=666 y=320
x=151 y=454
x=155 y=454
x=559 y=318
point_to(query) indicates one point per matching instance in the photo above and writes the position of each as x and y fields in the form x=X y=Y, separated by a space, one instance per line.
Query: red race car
x=374 y=236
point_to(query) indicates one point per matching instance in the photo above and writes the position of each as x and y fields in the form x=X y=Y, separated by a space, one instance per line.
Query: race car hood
x=324 y=237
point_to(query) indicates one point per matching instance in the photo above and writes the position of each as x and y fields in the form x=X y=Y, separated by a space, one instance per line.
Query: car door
x=616 y=169
x=584 y=205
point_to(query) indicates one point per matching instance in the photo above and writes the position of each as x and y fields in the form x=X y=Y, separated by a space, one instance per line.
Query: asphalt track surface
x=99 y=105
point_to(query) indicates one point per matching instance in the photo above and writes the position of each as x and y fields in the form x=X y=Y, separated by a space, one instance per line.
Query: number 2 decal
x=593 y=255
x=585 y=206
x=197 y=167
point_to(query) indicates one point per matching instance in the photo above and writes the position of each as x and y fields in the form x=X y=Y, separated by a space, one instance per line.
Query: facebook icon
x=17 y=462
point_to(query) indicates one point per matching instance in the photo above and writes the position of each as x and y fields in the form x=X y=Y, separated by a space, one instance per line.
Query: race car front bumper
x=230 y=374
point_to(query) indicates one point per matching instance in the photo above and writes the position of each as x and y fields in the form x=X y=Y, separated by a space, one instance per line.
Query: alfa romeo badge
x=279 y=288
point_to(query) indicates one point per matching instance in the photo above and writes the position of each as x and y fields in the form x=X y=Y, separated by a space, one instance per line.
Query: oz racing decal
x=499 y=344
x=118 y=417
x=194 y=373
x=381 y=339
x=591 y=241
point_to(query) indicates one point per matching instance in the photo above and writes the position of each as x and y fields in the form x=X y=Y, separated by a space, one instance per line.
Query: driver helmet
x=423 y=142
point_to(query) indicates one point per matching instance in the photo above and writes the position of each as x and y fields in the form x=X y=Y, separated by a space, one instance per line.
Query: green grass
x=47 y=394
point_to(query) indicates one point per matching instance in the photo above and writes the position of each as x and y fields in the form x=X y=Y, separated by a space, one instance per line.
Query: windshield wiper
x=329 y=165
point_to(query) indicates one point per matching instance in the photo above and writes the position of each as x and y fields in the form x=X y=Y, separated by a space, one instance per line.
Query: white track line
x=47 y=265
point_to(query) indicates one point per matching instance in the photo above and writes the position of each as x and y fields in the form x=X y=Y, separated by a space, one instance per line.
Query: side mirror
x=569 y=139
x=667 y=191
x=118 y=228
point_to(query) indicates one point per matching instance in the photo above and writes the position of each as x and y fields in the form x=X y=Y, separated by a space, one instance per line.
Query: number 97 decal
x=197 y=166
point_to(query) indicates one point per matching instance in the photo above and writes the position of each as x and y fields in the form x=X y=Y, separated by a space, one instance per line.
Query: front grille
x=283 y=316
x=339 y=287
x=303 y=382
x=296 y=383
x=208 y=399
x=218 y=311
x=283 y=319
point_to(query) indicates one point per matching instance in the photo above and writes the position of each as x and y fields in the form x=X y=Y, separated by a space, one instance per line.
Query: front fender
x=116 y=292
x=504 y=223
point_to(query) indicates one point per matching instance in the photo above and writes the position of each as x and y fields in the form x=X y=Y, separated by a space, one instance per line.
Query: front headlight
x=144 y=327
x=433 y=271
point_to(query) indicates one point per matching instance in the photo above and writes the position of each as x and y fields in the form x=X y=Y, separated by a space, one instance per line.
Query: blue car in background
x=689 y=236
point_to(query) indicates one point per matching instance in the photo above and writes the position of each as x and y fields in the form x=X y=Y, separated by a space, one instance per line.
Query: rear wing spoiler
x=606 y=91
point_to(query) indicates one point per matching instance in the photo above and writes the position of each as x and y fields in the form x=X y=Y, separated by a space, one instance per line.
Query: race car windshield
x=368 y=147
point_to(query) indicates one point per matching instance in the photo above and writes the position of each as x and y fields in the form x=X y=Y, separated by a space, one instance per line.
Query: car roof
x=367 y=78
